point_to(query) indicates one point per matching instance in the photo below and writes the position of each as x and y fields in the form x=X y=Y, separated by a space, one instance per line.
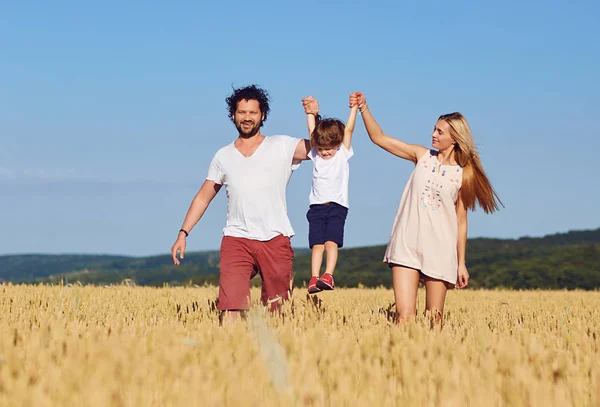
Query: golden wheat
x=140 y=346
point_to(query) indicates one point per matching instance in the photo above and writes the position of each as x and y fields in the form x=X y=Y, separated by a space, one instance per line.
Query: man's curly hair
x=251 y=92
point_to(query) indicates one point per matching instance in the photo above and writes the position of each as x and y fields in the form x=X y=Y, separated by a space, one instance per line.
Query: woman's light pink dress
x=425 y=231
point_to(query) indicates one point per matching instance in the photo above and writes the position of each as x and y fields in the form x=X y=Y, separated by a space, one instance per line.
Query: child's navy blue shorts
x=326 y=223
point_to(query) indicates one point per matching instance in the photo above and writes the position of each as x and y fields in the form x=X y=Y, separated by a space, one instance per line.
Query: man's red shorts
x=242 y=259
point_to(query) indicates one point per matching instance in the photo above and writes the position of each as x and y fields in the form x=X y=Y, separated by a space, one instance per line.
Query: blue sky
x=110 y=113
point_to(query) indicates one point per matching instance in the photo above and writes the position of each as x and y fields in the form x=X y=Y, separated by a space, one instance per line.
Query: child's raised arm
x=349 y=129
x=311 y=123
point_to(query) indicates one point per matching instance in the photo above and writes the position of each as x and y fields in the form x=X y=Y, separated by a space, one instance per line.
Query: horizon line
x=295 y=248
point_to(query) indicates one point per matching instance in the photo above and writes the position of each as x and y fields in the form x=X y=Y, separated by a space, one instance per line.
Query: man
x=255 y=170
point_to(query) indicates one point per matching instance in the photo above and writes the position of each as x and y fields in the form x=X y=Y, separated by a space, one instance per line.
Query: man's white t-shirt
x=256 y=187
x=330 y=177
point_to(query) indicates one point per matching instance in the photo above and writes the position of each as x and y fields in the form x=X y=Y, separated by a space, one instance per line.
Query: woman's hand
x=358 y=99
x=463 y=276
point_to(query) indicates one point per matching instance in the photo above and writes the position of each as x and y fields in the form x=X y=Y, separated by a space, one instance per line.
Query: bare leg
x=435 y=299
x=405 y=282
x=317 y=259
x=230 y=317
x=332 y=256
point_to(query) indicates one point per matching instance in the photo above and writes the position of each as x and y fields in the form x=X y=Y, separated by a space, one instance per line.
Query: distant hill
x=565 y=260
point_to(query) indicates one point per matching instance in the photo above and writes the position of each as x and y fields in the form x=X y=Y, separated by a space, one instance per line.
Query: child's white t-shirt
x=330 y=177
x=256 y=187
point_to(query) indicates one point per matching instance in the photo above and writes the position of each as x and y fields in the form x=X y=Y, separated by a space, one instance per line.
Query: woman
x=429 y=235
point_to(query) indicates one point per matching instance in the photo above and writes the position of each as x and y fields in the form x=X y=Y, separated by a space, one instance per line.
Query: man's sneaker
x=325 y=282
x=312 y=285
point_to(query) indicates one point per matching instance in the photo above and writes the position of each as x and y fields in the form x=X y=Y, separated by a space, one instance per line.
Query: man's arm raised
x=302 y=150
x=203 y=198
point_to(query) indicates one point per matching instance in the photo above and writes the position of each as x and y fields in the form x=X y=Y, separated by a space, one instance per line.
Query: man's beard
x=248 y=133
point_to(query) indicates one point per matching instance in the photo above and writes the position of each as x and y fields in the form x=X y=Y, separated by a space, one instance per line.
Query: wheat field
x=141 y=346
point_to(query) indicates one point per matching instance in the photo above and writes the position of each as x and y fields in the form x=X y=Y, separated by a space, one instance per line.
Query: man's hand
x=179 y=246
x=311 y=105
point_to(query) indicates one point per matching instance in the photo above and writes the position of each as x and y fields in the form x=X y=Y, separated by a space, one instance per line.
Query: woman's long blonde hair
x=476 y=187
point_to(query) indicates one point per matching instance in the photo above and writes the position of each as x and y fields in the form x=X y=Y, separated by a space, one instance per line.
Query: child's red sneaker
x=312 y=285
x=325 y=282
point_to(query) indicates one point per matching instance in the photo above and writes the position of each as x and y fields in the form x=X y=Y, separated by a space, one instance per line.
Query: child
x=330 y=152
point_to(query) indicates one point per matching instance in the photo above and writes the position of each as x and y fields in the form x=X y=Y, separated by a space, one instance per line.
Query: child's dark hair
x=328 y=133
x=251 y=92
